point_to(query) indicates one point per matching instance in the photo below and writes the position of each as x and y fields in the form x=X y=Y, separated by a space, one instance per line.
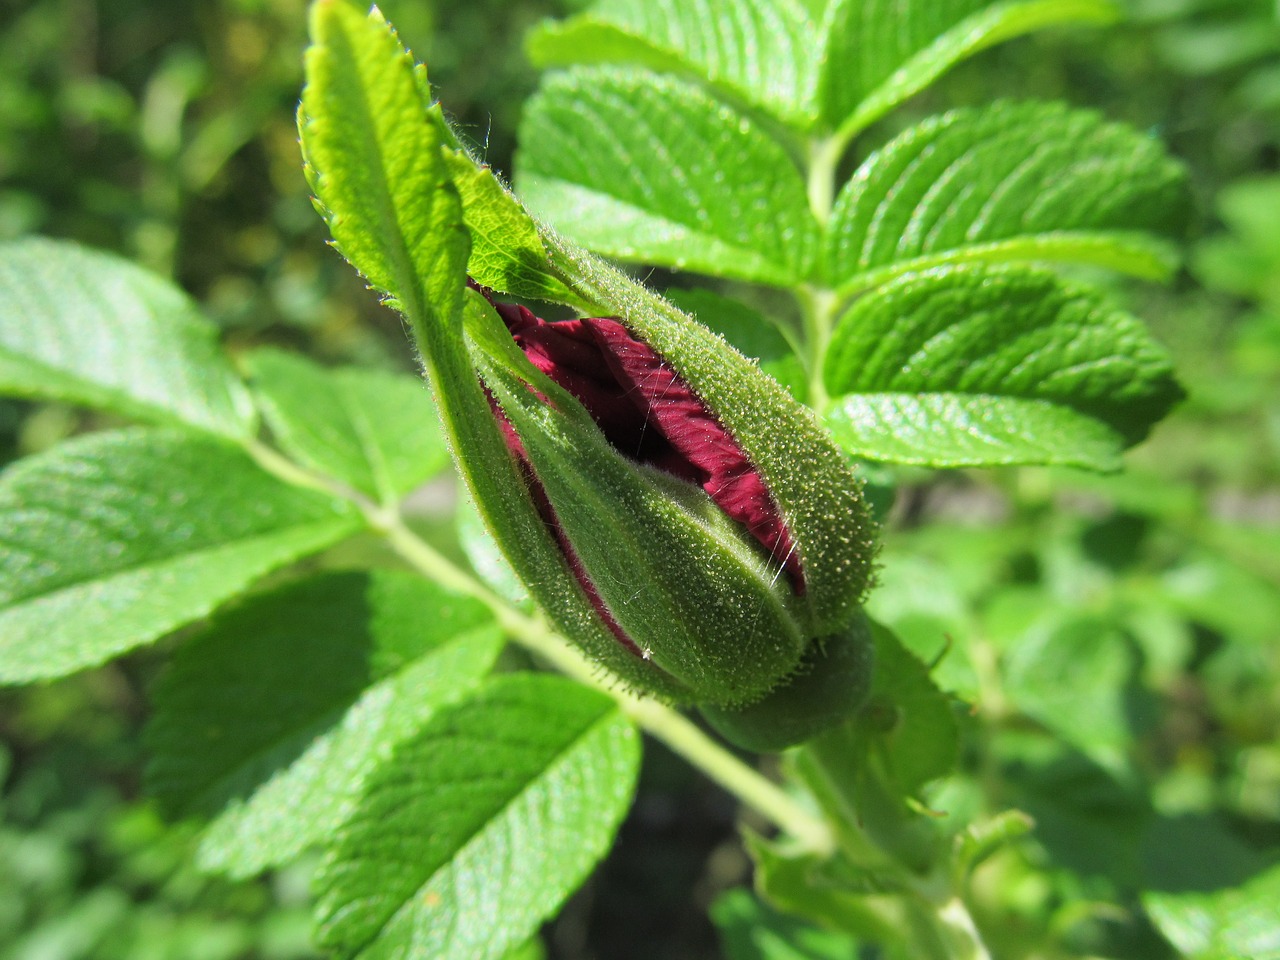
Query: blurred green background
x=165 y=131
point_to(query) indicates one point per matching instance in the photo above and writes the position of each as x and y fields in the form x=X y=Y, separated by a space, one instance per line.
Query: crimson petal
x=652 y=416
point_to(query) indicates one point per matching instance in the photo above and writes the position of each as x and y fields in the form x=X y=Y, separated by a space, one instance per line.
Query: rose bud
x=668 y=527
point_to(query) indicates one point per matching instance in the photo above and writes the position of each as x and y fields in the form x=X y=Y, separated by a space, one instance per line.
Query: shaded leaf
x=1011 y=181
x=919 y=731
x=91 y=328
x=1238 y=922
x=1070 y=673
x=970 y=366
x=652 y=169
x=474 y=832
x=114 y=539
x=376 y=431
x=798 y=882
x=373 y=158
x=326 y=675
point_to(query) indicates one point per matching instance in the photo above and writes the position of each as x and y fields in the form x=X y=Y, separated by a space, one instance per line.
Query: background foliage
x=1148 y=755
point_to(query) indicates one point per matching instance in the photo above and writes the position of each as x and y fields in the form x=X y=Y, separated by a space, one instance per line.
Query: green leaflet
x=373 y=430
x=517 y=820
x=983 y=365
x=811 y=66
x=328 y=674
x=1072 y=673
x=506 y=249
x=1009 y=181
x=649 y=168
x=88 y=327
x=750 y=930
x=879 y=52
x=760 y=51
x=115 y=539
x=1220 y=924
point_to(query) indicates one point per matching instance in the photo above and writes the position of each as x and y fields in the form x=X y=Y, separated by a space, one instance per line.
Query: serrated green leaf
x=373 y=430
x=760 y=51
x=981 y=365
x=91 y=328
x=114 y=539
x=1222 y=924
x=879 y=52
x=507 y=254
x=1012 y=181
x=1087 y=820
x=474 y=831
x=750 y=930
x=922 y=602
x=652 y=169
x=282 y=706
x=940 y=430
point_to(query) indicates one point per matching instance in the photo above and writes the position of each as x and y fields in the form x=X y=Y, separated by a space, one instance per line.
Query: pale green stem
x=818 y=305
x=824 y=158
x=659 y=720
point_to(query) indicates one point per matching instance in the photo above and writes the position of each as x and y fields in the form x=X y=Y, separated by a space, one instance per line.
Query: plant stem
x=818 y=305
x=824 y=158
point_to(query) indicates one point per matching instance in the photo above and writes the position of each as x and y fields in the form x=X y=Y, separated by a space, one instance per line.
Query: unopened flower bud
x=665 y=523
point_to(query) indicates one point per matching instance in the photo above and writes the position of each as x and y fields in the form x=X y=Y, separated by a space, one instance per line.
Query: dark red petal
x=703 y=446
x=652 y=416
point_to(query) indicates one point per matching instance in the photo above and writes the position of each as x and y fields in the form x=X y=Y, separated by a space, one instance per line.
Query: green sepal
x=703 y=605
x=812 y=482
